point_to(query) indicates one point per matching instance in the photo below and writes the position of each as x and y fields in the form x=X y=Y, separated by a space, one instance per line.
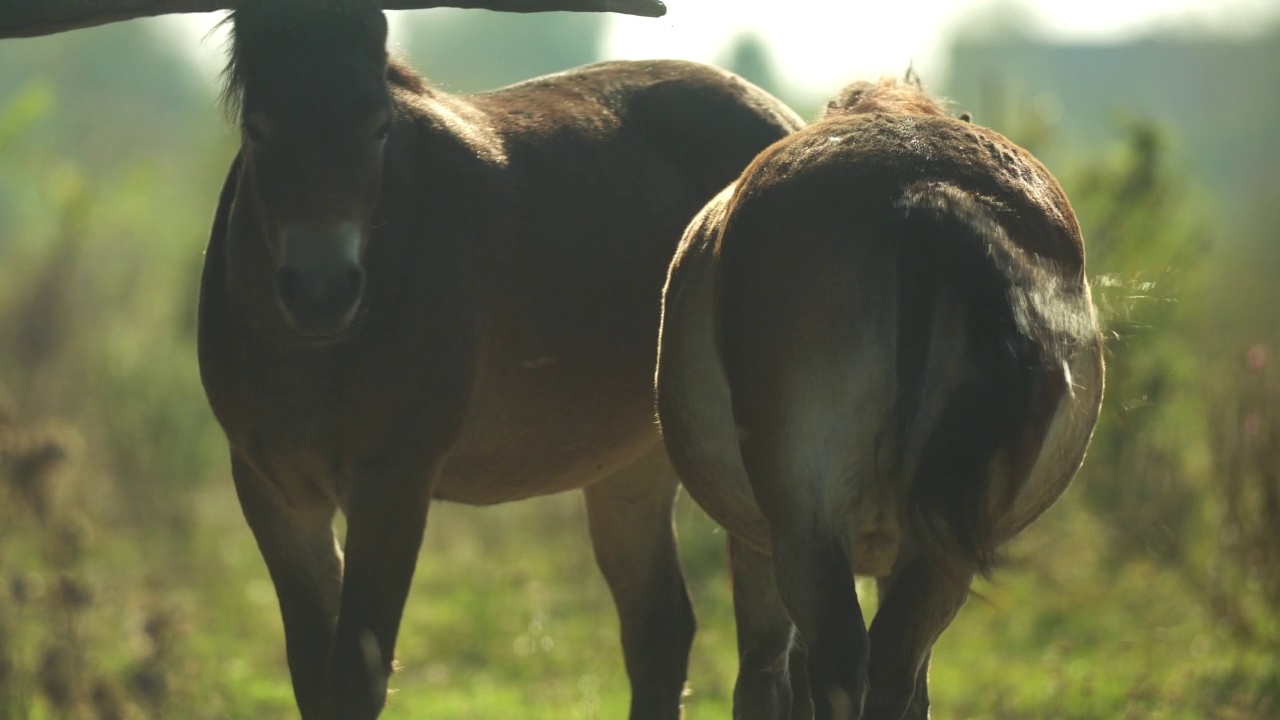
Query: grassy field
x=509 y=618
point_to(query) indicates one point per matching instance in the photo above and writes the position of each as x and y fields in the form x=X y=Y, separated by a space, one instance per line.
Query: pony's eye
x=383 y=130
x=253 y=130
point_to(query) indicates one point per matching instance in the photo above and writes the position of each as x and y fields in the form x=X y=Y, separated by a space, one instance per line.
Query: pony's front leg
x=629 y=515
x=772 y=683
x=386 y=517
x=297 y=543
x=917 y=602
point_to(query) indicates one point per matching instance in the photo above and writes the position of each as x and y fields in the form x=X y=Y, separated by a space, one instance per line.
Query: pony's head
x=307 y=82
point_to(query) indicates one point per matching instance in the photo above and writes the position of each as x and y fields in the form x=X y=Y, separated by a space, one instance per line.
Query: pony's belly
x=525 y=468
x=536 y=428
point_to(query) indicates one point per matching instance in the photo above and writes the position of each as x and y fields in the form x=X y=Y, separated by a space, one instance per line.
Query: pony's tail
x=952 y=250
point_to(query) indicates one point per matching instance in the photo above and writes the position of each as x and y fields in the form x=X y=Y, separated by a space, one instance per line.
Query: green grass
x=1056 y=638
x=509 y=618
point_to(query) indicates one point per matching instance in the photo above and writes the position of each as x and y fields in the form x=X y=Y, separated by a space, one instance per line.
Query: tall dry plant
x=53 y=660
x=1242 y=575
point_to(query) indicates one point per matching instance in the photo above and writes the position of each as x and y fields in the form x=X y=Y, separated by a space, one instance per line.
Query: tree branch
x=29 y=18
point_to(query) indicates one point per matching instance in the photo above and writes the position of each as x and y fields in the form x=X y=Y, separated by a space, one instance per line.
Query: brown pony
x=411 y=296
x=879 y=356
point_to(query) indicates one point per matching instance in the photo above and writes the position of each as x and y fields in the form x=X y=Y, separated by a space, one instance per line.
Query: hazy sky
x=821 y=44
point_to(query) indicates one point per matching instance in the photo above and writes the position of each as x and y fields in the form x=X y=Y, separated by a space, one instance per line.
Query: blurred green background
x=130 y=587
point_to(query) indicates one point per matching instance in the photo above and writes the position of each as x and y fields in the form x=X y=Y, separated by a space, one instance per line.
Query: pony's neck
x=451 y=122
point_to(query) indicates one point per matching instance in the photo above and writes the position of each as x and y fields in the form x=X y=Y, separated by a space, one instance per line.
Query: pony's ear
x=912 y=77
x=45 y=17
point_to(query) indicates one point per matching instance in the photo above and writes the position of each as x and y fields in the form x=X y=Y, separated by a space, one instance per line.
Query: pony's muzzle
x=320 y=281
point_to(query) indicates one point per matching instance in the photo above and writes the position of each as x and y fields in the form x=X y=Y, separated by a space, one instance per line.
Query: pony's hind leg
x=807 y=326
x=815 y=581
x=629 y=516
x=813 y=478
x=917 y=602
x=772 y=684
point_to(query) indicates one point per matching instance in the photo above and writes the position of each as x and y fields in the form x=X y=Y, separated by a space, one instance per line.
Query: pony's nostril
x=287 y=284
x=319 y=301
x=348 y=290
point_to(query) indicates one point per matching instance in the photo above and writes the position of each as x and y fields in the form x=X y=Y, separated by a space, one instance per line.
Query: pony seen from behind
x=879 y=356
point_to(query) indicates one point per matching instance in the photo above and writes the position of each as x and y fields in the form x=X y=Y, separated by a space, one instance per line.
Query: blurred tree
x=750 y=57
x=999 y=21
x=474 y=50
x=1149 y=238
x=117 y=87
x=1218 y=96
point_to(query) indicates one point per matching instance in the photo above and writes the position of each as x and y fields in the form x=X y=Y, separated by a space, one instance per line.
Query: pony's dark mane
x=231 y=96
x=324 y=23
x=402 y=75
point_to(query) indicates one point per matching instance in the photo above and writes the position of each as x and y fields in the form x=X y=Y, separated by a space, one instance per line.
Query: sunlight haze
x=819 y=45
